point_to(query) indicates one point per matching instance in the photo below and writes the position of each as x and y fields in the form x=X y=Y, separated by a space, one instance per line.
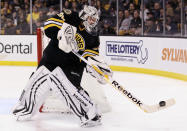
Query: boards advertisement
x=162 y=56
x=18 y=50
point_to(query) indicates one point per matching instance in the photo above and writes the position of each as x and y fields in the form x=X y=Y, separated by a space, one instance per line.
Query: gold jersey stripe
x=95 y=48
x=57 y=20
x=86 y=55
x=91 y=51
x=52 y=25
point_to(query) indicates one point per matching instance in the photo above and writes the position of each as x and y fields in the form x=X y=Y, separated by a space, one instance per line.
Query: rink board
x=158 y=56
x=20 y=50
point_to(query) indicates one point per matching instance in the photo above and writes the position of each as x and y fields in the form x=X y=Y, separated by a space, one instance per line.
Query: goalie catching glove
x=66 y=37
x=100 y=64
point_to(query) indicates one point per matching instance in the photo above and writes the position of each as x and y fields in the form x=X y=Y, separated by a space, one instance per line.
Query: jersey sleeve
x=54 y=24
x=92 y=48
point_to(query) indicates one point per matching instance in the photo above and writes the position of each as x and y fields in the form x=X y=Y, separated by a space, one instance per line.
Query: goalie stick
x=146 y=108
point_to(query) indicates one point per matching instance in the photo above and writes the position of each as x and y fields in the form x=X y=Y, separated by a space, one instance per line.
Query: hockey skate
x=96 y=121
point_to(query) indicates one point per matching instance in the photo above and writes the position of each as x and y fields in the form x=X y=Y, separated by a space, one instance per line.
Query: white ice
x=124 y=116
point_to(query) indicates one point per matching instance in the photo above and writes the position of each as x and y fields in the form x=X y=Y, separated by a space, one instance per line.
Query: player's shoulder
x=69 y=17
x=66 y=13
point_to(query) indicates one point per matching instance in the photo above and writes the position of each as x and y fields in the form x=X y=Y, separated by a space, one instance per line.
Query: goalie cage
x=90 y=84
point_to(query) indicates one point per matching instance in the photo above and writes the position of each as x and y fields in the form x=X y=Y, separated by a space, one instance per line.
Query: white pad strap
x=77 y=100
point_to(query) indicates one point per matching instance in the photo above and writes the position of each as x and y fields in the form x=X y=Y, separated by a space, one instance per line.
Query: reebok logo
x=125 y=92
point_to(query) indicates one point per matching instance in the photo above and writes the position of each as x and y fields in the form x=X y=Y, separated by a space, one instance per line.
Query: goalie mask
x=90 y=16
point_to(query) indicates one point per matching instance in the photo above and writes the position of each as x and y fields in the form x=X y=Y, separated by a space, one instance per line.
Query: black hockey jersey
x=53 y=56
x=87 y=43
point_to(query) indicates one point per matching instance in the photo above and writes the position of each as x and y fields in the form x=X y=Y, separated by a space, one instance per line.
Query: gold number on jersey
x=80 y=41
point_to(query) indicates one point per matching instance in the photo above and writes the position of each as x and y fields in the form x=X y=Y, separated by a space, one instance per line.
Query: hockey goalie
x=61 y=72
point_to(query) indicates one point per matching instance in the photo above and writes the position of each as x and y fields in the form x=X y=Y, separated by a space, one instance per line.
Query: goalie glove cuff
x=100 y=64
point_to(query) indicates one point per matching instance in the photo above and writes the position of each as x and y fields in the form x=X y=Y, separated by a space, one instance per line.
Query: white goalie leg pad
x=77 y=100
x=95 y=91
x=33 y=95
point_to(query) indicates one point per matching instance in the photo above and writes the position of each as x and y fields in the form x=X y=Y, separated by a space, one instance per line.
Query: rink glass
x=160 y=17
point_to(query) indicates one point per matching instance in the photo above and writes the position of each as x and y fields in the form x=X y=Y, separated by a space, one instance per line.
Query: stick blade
x=157 y=107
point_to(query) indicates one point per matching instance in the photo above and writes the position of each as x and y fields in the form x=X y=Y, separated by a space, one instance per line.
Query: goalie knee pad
x=33 y=95
x=96 y=92
x=78 y=101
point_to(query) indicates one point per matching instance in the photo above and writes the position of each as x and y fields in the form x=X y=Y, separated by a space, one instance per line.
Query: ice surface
x=124 y=116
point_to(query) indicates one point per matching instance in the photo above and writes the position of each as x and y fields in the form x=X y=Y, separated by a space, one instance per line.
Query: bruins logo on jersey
x=80 y=41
